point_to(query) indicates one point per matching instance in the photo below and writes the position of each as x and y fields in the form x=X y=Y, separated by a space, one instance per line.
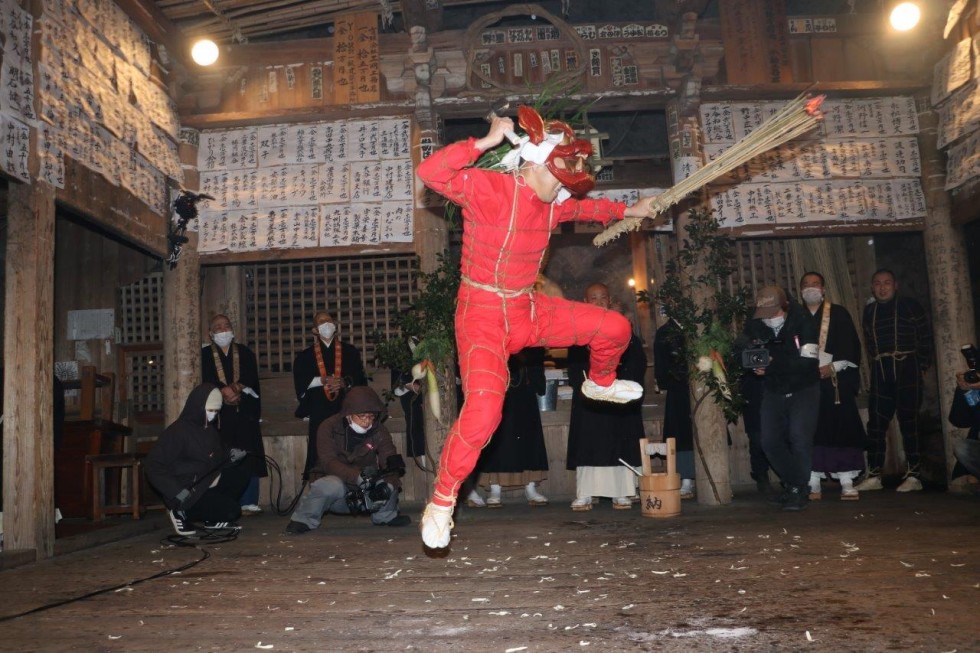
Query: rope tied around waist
x=506 y=293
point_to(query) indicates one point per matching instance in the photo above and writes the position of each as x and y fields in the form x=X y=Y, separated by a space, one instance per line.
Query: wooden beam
x=181 y=330
x=265 y=256
x=28 y=402
x=114 y=208
x=743 y=92
x=149 y=17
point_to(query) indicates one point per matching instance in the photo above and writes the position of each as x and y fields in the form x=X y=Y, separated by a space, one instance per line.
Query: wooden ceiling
x=240 y=21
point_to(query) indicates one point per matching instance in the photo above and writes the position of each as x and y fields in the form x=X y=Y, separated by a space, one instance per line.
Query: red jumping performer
x=507 y=221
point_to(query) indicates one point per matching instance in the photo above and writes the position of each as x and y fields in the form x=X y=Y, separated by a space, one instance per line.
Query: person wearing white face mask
x=192 y=472
x=233 y=369
x=352 y=446
x=838 y=445
x=322 y=375
x=791 y=392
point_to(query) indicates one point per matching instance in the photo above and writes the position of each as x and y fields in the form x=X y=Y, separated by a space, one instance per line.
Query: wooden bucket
x=660 y=494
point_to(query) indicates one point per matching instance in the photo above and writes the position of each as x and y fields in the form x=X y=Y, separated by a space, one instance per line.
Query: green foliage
x=428 y=321
x=703 y=267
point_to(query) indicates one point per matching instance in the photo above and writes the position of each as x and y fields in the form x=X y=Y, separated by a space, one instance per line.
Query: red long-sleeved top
x=504 y=236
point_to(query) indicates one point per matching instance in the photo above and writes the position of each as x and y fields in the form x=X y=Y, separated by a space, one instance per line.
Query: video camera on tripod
x=372 y=492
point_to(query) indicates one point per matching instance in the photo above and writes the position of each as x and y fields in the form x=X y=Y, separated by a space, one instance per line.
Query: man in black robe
x=899 y=341
x=600 y=433
x=838 y=443
x=233 y=369
x=322 y=375
x=670 y=367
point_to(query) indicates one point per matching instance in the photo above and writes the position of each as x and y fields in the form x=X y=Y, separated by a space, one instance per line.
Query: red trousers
x=489 y=329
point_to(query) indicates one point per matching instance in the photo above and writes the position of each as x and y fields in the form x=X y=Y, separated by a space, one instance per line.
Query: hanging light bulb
x=905 y=16
x=204 y=52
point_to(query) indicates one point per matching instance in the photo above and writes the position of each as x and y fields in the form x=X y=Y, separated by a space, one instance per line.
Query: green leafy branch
x=703 y=267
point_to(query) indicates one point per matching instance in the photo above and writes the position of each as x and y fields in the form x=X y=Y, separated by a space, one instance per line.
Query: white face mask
x=812 y=295
x=223 y=339
x=211 y=414
x=357 y=428
x=326 y=330
x=775 y=323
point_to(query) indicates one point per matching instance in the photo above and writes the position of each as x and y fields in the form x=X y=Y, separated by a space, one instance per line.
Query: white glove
x=249 y=391
x=315 y=383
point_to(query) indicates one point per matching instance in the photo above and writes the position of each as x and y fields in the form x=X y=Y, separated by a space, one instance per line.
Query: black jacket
x=188 y=453
x=788 y=371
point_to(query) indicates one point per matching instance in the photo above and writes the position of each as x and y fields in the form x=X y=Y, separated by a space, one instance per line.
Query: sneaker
x=534 y=498
x=474 y=500
x=297 y=528
x=181 y=525
x=870 y=483
x=251 y=509
x=436 y=526
x=797 y=499
x=582 y=504
x=398 y=520
x=910 y=484
x=779 y=499
x=221 y=526
x=622 y=503
x=620 y=392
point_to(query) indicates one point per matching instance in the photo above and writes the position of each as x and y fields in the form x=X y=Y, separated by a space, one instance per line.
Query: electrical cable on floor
x=115 y=588
x=275 y=503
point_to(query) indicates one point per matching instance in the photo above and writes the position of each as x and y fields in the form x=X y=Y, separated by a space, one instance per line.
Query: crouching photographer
x=779 y=344
x=965 y=413
x=357 y=469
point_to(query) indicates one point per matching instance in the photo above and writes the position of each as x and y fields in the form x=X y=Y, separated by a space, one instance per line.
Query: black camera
x=970 y=354
x=757 y=356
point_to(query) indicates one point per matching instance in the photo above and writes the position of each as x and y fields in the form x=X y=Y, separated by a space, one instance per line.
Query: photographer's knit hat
x=769 y=301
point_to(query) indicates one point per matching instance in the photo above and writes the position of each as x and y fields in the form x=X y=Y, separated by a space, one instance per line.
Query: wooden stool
x=98 y=464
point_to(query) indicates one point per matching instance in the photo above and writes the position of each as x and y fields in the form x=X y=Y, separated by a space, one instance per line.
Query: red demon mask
x=569 y=160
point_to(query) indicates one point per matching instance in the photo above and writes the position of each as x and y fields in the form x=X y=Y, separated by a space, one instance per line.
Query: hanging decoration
x=185 y=206
x=387 y=15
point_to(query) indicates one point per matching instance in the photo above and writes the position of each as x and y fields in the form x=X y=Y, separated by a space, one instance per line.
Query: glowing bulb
x=631 y=283
x=905 y=16
x=204 y=52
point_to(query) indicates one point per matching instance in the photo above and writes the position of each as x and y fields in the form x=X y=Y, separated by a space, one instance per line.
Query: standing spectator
x=409 y=393
x=322 y=375
x=791 y=392
x=516 y=454
x=671 y=370
x=600 y=433
x=899 y=341
x=233 y=369
x=838 y=444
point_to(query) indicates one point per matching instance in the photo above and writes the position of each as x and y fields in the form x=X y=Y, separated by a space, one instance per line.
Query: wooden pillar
x=949 y=275
x=28 y=447
x=712 y=473
x=182 y=304
x=224 y=292
x=181 y=330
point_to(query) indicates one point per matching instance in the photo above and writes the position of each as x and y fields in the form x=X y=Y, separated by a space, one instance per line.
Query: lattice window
x=141 y=305
x=363 y=293
x=143 y=366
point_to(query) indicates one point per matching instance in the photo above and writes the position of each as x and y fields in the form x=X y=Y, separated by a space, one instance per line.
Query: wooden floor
x=890 y=572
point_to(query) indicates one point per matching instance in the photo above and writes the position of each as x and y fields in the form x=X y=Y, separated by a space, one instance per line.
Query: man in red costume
x=507 y=221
